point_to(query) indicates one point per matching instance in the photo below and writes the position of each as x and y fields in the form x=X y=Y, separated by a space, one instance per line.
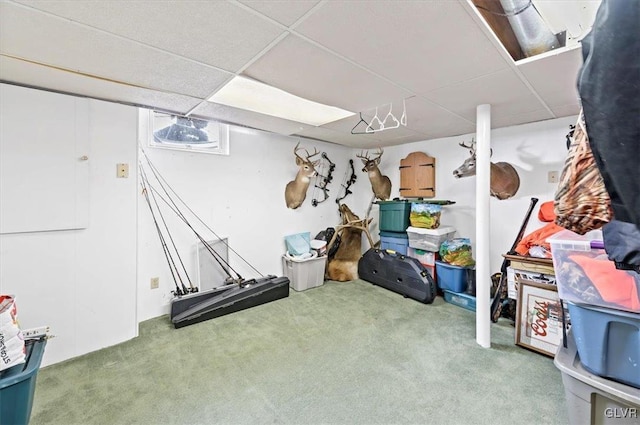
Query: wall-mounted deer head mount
x=381 y=185
x=504 y=182
x=296 y=190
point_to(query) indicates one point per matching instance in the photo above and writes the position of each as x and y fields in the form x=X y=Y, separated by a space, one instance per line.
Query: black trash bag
x=622 y=244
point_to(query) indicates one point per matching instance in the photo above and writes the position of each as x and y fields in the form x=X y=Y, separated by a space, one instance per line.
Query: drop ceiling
x=436 y=60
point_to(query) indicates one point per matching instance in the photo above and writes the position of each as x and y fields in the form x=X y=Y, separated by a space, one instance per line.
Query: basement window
x=188 y=133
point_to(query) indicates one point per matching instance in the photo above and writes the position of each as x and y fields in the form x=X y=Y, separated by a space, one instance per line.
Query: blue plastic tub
x=608 y=342
x=395 y=241
x=18 y=384
x=452 y=278
x=460 y=299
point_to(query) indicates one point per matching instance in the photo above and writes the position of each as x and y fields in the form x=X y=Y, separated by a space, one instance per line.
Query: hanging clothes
x=609 y=88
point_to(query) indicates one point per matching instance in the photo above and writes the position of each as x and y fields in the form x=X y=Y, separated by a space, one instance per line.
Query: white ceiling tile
x=422 y=45
x=503 y=90
x=434 y=121
x=554 y=77
x=499 y=121
x=212 y=32
x=30 y=74
x=310 y=72
x=54 y=41
x=342 y=138
x=248 y=118
x=285 y=12
x=566 y=110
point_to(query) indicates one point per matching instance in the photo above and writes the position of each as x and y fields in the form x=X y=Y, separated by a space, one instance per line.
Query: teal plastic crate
x=18 y=385
x=394 y=215
x=460 y=299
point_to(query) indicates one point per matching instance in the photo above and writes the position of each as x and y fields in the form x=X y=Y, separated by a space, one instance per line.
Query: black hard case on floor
x=398 y=273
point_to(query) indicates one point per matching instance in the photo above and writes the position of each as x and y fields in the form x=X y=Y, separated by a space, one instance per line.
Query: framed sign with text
x=539 y=317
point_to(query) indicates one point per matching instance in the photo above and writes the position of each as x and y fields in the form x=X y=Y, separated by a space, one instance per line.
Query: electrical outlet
x=155 y=282
x=122 y=171
x=553 y=177
x=35 y=332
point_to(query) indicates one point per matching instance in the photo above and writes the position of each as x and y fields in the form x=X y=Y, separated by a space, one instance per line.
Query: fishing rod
x=226 y=267
x=165 y=248
x=162 y=181
x=184 y=269
x=216 y=256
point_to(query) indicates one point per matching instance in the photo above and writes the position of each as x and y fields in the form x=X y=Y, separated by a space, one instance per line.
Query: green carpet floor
x=342 y=353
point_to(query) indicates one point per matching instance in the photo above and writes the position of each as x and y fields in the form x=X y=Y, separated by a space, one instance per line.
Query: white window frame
x=219 y=148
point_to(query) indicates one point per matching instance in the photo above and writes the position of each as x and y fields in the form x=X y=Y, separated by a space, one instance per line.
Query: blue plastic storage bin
x=460 y=299
x=452 y=278
x=18 y=384
x=395 y=241
x=608 y=342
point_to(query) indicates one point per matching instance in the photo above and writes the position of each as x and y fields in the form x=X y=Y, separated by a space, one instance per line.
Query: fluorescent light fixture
x=252 y=95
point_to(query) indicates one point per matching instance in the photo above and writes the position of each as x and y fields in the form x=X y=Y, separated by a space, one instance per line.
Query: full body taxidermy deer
x=344 y=264
x=504 y=182
x=296 y=190
x=381 y=185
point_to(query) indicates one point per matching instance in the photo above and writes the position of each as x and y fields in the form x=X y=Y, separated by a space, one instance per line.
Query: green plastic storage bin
x=18 y=385
x=394 y=215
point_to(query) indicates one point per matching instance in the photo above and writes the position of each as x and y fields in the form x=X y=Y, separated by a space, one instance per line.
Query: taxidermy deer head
x=296 y=190
x=381 y=185
x=504 y=182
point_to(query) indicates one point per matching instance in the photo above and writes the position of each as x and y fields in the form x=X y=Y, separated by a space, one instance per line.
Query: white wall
x=82 y=283
x=240 y=196
x=533 y=149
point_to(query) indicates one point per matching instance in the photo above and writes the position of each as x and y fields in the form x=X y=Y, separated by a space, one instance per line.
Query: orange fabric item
x=546 y=212
x=615 y=286
x=538 y=238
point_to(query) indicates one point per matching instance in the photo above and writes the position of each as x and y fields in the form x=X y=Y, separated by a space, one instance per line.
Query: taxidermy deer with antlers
x=381 y=185
x=296 y=190
x=344 y=264
x=504 y=181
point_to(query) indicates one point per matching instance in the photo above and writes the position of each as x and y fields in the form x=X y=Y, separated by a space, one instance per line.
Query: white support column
x=483 y=176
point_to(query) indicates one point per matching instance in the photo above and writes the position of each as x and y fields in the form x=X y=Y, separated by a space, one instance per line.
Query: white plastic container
x=304 y=274
x=429 y=239
x=604 y=285
x=592 y=399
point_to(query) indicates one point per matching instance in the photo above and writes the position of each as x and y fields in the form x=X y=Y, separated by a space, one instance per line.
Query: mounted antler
x=504 y=181
x=381 y=185
x=296 y=190
x=471 y=147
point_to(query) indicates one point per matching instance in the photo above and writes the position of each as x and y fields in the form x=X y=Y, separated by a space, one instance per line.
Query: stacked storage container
x=604 y=308
x=426 y=235
x=394 y=220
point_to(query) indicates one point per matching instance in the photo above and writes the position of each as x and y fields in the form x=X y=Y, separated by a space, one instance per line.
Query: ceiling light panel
x=252 y=95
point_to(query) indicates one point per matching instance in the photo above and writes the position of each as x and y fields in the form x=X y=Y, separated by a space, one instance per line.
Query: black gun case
x=398 y=273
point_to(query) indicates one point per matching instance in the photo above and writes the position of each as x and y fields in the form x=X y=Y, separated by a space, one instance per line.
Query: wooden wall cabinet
x=418 y=176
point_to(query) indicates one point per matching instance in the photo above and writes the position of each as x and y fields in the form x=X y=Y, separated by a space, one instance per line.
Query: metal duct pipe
x=532 y=33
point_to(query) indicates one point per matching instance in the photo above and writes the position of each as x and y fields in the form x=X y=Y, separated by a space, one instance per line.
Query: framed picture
x=539 y=317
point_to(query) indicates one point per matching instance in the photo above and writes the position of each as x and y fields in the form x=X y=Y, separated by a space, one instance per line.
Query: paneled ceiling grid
x=357 y=55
